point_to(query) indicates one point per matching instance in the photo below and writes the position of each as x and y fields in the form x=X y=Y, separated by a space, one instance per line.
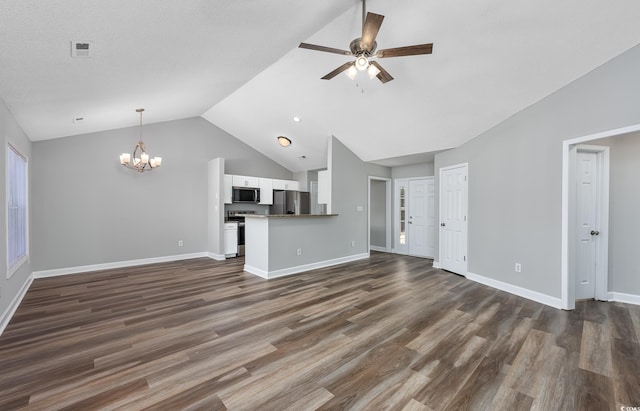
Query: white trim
x=436 y=264
x=118 y=264
x=301 y=268
x=376 y=248
x=565 y=291
x=624 y=298
x=519 y=291
x=219 y=257
x=15 y=303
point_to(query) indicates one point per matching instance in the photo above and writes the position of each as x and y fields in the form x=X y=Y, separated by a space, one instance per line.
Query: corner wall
x=515 y=174
x=89 y=210
x=12 y=289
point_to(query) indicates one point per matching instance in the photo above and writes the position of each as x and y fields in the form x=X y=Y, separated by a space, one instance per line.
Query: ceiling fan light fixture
x=373 y=71
x=351 y=72
x=362 y=62
x=284 y=141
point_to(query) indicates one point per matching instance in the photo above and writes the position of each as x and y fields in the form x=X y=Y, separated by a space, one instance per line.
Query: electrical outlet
x=518 y=268
x=180 y=243
x=353 y=243
x=299 y=251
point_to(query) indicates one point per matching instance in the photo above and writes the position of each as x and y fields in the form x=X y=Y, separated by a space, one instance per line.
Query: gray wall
x=378 y=217
x=88 y=209
x=624 y=213
x=11 y=132
x=349 y=189
x=515 y=172
x=412 y=170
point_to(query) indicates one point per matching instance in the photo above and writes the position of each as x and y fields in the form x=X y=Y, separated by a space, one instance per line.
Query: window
x=17 y=251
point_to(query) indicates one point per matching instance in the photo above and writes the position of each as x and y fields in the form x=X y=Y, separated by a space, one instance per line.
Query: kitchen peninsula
x=283 y=244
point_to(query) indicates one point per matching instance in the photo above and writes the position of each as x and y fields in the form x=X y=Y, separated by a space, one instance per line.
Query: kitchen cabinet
x=286 y=185
x=266 y=191
x=244 y=181
x=231 y=239
x=227 y=189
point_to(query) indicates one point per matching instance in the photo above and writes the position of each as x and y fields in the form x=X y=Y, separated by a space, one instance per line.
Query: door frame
x=387 y=224
x=602 y=215
x=567 y=292
x=466 y=212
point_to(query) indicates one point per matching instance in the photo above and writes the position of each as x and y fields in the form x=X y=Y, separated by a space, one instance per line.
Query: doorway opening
x=570 y=230
x=379 y=214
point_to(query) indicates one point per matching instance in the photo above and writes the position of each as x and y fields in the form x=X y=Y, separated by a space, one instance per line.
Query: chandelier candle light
x=142 y=163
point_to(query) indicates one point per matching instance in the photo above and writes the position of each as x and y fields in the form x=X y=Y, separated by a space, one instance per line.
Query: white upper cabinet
x=286 y=185
x=244 y=181
x=227 y=193
x=266 y=191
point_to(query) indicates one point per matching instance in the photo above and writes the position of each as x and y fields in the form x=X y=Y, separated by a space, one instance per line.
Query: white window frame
x=11 y=269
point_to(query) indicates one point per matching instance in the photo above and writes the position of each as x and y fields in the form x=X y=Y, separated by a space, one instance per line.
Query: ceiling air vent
x=81 y=48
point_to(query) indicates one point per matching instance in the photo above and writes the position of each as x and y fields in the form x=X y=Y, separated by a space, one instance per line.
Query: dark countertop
x=286 y=215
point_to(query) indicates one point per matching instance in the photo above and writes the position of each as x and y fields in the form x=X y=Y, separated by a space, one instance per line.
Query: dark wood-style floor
x=389 y=332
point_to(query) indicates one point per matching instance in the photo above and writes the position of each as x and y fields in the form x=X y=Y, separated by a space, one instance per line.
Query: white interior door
x=453 y=219
x=586 y=224
x=418 y=218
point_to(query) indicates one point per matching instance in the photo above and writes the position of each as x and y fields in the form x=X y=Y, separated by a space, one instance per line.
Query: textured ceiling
x=236 y=63
x=175 y=58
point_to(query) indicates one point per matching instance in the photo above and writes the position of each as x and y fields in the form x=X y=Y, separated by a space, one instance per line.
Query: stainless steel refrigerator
x=290 y=202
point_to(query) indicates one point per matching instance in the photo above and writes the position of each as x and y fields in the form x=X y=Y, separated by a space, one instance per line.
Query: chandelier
x=140 y=160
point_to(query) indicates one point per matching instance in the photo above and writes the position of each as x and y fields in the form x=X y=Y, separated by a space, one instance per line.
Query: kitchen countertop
x=286 y=215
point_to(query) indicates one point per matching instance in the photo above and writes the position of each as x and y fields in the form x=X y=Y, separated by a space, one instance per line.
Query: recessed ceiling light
x=297 y=119
x=284 y=141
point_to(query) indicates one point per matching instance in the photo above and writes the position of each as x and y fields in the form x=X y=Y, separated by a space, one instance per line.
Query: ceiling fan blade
x=384 y=75
x=405 y=51
x=339 y=70
x=325 y=49
x=370 y=30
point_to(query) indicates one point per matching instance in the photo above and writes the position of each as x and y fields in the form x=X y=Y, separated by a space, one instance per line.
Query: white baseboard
x=301 y=268
x=514 y=289
x=436 y=264
x=376 y=248
x=624 y=298
x=219 y=257
x=11 y=309
x=117 y=264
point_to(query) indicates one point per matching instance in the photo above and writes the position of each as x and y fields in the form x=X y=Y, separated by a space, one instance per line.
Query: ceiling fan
x=364 y=48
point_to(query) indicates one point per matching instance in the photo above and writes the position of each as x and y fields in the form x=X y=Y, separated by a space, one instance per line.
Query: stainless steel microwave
x=246 y=195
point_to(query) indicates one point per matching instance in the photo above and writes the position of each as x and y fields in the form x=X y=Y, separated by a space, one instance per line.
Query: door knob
x=410 y=222
x=595 y=232
x=442 y=224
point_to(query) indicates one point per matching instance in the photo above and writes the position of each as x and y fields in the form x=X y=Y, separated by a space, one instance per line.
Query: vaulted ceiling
x=237 y=64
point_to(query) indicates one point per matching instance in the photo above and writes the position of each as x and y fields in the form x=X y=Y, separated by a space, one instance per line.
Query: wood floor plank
x=389 y=332
x=595 y=351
